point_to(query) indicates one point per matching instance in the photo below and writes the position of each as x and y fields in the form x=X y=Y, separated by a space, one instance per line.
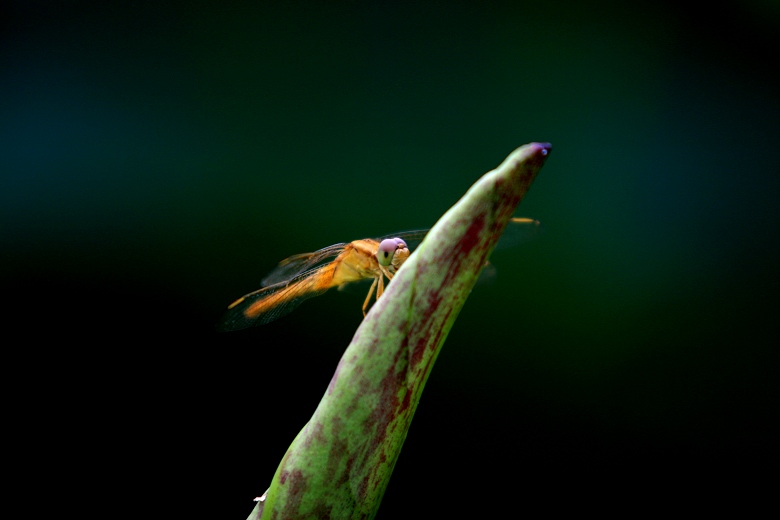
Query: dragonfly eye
x=386 y=251
x=400 y=242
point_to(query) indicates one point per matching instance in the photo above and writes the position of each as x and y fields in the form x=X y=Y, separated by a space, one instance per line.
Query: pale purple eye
x=400 y=241
x=386 y=251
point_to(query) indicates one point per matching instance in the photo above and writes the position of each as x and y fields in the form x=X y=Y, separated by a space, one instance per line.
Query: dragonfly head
x=392 y=252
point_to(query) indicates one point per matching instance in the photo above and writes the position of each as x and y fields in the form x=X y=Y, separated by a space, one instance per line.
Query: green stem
x=340 y=463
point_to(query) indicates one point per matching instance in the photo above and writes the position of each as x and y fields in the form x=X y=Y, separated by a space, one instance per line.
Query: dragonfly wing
x=293 y=266
x=274 y=301
x=412 y=238
x=518 y=231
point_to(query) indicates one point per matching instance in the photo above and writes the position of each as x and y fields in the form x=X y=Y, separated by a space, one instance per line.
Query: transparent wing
x=294 y=265
x=412 y=238
x=274 y=301
x=519 y=230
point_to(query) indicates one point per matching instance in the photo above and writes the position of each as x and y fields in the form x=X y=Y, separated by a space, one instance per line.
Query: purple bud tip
x=544 y=148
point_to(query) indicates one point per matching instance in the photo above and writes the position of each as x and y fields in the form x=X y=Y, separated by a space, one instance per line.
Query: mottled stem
x=340 y=463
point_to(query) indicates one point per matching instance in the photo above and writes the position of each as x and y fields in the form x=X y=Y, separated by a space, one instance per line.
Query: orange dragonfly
x=304 y=276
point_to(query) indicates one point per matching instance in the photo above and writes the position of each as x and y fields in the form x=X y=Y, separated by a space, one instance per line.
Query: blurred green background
x=157 y=160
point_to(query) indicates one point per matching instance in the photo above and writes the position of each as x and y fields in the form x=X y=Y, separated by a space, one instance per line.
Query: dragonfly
x=300 y=277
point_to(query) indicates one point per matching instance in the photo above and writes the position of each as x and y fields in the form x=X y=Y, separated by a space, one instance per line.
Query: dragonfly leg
x=381 y=289
x=386 y=272
x=368 y=298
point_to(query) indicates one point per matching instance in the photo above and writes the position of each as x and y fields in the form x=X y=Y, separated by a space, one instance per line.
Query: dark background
x=156 y=161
